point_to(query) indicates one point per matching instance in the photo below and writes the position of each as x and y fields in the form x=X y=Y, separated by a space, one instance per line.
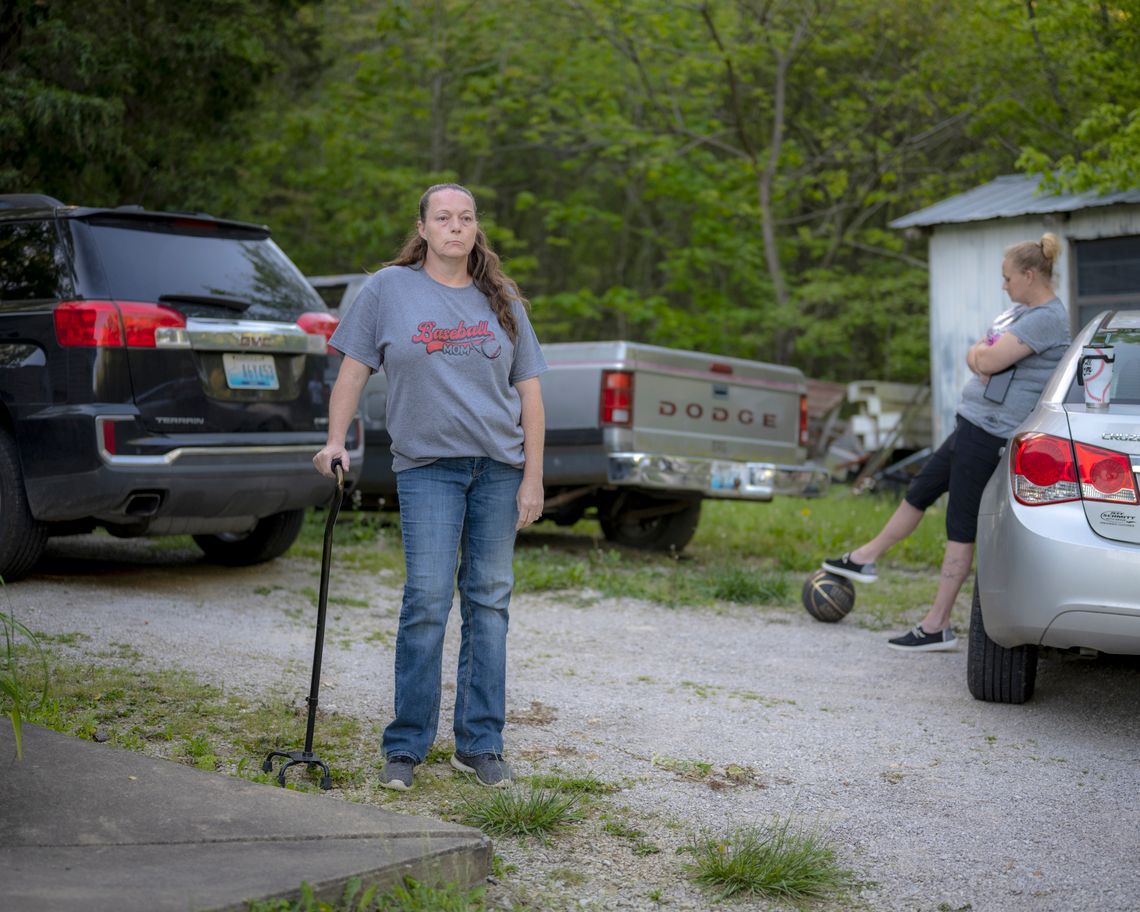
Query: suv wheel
x=22 y=538
x=270 y=538
x=994 y=673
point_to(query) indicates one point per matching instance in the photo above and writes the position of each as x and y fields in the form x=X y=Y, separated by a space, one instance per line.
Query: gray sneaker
x=490 y=770
x=397 y=773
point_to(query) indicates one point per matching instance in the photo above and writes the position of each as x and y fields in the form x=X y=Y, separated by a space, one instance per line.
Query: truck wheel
x=270 y=538
x=994 y=673
x=662 y=532
x=22 y=537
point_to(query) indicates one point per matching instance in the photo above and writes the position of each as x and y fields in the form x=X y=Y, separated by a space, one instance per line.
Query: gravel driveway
x=710 y=720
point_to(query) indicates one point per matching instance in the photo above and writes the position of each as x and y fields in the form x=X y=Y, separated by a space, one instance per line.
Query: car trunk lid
x=1116 y=428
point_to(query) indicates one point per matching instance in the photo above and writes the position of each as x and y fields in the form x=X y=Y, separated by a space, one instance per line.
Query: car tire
x=22 y=537
x=997 y=674
x=665 y=532
x=270 y=538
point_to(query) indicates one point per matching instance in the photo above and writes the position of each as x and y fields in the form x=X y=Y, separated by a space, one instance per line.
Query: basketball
x=828 y=597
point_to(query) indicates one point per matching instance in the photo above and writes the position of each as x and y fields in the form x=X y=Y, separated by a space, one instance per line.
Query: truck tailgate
x=684 y=403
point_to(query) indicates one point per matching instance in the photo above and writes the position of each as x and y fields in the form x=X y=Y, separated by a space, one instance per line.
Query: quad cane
x=307 y=756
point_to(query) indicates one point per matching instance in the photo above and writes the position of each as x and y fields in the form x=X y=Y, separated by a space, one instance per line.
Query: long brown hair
x=482 y=263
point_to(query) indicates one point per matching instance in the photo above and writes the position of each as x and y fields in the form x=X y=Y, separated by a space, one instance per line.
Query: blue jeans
x=455 y=515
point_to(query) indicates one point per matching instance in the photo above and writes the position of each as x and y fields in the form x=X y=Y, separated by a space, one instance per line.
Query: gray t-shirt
x=451 y=369
x=1045 y=329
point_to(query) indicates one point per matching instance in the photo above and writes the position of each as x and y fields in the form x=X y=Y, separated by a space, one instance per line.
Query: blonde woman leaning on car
x=1011 y=364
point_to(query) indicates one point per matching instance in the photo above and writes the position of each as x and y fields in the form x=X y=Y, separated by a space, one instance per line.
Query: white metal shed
x=968 y=235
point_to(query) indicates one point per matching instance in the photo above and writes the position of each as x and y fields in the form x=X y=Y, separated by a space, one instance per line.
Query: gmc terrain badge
x=179 y=419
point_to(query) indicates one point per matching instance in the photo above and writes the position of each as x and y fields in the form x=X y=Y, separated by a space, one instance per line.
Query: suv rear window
x=209 y=260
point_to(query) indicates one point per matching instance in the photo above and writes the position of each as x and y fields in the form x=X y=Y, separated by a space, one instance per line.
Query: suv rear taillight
x=803 y=421
x=318 y=323
x=111 y=324
x=617 y=398
x=1045 y=470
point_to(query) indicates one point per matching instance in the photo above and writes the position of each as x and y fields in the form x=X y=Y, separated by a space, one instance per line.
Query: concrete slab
x=85 y=826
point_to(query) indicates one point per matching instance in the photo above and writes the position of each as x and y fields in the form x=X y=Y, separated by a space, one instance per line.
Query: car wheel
x=995 y=673
x=22 y=537
x=634 y=524
x=270 y=538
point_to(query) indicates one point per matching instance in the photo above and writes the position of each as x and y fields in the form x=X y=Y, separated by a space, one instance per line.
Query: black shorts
x=962 y=465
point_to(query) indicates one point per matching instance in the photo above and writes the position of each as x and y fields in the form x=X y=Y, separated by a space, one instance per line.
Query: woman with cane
x=465 y=414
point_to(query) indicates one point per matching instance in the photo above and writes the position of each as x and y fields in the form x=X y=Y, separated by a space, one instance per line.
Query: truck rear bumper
x=717 y=478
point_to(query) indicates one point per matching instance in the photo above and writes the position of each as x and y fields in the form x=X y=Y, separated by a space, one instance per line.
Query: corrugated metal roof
x=1009 y=195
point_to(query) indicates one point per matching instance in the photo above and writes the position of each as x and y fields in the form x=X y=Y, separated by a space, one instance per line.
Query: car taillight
x=318 y=323
x=88 y=323
x=1105 y=474
x=142 y=322
x=1043 y=470
x=617 y=398
x=803 y=420
x=111 y=324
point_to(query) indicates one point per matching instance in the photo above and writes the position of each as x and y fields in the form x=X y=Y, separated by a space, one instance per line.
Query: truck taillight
x=617 y=398
x=318 y=323
x=803 y=421
x=112 y=324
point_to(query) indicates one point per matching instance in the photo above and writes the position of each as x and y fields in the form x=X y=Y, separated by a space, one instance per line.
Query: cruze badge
x=1130 y=437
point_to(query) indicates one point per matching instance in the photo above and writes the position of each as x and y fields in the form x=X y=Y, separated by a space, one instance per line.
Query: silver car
x=1058 y=545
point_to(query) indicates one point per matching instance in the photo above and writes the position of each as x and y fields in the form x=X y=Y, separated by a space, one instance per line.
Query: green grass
x=778 y=861
x=23 y=676
x=172 y=714
x=580 y=785
x=411 y=896
x=519 y=811
x=744 y=554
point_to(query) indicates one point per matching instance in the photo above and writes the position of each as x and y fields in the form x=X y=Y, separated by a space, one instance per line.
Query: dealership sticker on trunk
x=250 y=371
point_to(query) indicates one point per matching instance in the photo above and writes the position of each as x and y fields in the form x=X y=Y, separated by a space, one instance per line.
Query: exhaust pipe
x=143 y=503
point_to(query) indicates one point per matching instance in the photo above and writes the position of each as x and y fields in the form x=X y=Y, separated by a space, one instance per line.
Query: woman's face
x=449 y=224
x=1015 y=282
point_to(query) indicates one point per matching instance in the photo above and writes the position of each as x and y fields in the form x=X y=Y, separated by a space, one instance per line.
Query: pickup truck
x=637 y=436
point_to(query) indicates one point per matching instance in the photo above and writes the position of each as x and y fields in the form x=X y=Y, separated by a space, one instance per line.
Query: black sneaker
x=918 y=640
x=844 y=566
x=397 y=773
x=490 y=770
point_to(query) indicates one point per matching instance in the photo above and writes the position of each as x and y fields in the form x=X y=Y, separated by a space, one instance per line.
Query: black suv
x=160 y=373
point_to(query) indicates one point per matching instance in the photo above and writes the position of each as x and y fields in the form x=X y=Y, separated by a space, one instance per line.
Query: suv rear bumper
x=222 y=484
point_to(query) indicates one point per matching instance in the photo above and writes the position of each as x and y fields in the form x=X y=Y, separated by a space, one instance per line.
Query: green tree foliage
x=111 y=102
x=718 y=174
x=1090 y=54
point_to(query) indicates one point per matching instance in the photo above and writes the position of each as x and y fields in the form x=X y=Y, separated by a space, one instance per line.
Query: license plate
x=250 y=371
x=728 y=476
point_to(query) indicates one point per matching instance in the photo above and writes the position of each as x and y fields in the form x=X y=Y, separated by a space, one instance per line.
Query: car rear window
x=195 y=259
x=1125 y=369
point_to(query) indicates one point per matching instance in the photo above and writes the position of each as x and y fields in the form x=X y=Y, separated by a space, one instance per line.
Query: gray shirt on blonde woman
x=1045 y=329
x=450 y=366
